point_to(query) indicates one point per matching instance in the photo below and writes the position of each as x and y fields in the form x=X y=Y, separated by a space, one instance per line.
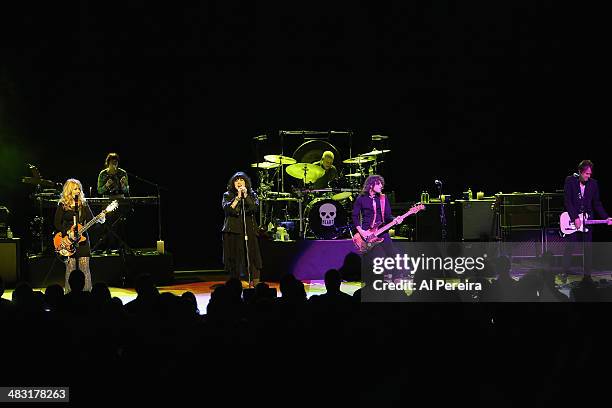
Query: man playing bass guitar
x=371 y=208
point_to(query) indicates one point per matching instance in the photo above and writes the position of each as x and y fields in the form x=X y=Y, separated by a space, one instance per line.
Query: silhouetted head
x=262 y=290
x=76 y=281
x=234 y=286
x=22 y=294
x=53 y=295
x=145 y=286
x=332 y=281
x=288 y=286
x=101 y=293
x=190 y=298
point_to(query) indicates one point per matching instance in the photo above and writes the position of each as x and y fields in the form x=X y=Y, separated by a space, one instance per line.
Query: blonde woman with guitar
x=66 y=218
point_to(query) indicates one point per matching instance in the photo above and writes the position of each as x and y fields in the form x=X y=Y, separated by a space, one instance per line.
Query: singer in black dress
x=64 y=220
x=239 y=196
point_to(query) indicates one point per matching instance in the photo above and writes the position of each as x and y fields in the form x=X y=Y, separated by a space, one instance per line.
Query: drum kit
x=327 y=213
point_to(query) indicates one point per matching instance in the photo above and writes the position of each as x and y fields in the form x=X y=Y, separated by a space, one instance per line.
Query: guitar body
x=364 y=245
x=67 y=248
x=567 y=226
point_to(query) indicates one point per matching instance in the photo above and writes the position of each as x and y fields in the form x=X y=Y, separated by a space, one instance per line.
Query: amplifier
x=428 y=225
x=9 y=260
x=475 y=219
x=520 y=210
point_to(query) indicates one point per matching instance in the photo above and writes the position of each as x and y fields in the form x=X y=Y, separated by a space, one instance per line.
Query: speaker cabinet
x=520 y=210
x=429 y=227
x=475 y=219
x=9 y=260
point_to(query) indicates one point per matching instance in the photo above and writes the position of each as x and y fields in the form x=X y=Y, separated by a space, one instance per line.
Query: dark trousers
x=385 y=249
x=574 y=245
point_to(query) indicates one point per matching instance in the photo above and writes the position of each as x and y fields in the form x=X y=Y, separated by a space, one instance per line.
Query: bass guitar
x=364 y=245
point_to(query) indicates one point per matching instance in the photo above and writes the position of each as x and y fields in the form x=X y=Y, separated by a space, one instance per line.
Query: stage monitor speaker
x=476 y=219
x=9 y=260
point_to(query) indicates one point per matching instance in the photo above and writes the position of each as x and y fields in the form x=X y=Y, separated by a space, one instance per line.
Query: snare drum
x=327 y=218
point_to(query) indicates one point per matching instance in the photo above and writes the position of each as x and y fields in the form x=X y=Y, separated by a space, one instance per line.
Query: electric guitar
x=364 y=245
x=567 y=225
x=67 y=246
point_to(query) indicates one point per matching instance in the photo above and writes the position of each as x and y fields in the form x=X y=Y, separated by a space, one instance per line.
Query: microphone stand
x=77 y=236
x=584 y=226
x=246 y=240
x=442 y=214
x=158 y=187
x=443 y=230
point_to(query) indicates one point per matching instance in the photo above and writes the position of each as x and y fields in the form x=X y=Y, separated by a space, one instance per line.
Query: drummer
x=327 y=164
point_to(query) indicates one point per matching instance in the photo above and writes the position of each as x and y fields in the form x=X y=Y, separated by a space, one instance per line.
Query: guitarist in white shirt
x=581 y=196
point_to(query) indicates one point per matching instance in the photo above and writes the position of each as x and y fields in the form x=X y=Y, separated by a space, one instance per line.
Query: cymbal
x=275 y=158
x=374 y=152
x=36 y=181
x=265 y=165
x=359 y=160
x=305 y=171
x=353 y=175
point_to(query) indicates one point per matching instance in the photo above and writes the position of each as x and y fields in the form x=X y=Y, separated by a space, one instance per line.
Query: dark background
x=491 y=96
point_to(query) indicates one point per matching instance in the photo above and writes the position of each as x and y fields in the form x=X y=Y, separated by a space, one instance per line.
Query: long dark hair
x=370 y=181
x=584 y=165
x=239 y=175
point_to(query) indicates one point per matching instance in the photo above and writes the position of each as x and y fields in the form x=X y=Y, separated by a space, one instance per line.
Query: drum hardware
x=281 y=160
x=375 y=155
x=265 y=165
x=374 y=152
x=359 y=159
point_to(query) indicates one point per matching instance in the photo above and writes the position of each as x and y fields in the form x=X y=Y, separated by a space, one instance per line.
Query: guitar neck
x=392 y=223
x=92 y=222
x=590 y=222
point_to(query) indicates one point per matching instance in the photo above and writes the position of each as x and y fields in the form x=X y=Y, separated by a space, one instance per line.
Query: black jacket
x=590 y=201
x=233 y=216
x=363 y=208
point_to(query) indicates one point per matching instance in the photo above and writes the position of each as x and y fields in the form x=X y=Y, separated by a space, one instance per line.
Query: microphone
x=438 y=182
x=576 y=175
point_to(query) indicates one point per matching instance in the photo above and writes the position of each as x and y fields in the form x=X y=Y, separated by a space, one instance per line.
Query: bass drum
x=327 y=219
